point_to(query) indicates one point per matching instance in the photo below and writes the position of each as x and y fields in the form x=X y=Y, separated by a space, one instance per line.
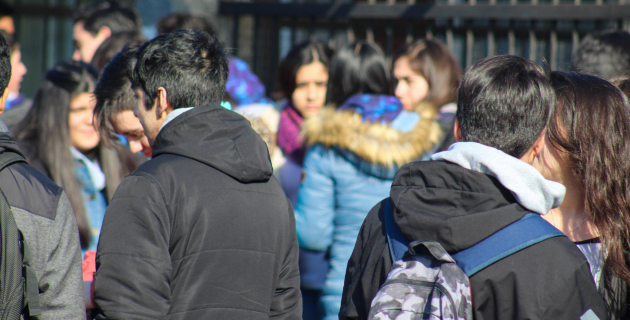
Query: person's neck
x=570 y=217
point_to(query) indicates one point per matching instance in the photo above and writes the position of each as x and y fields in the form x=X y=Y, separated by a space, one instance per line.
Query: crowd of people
x=158 y=180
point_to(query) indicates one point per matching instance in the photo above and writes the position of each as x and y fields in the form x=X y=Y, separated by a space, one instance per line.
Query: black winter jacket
x=201 y=231
x=441 y=201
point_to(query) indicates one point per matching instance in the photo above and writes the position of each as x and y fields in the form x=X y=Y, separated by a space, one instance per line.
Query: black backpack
x=19 y=289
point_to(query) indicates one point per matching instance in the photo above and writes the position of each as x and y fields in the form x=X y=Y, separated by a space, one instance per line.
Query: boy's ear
x=457 y=131
x=105 y=32
x=162 y=105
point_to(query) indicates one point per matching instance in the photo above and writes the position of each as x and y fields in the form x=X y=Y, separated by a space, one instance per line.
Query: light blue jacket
x=341 y=185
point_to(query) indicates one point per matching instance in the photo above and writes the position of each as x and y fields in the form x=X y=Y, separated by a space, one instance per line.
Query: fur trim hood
x=375 y=143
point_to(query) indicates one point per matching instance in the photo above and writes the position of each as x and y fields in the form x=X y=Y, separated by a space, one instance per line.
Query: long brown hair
x=46 y=128
x=434 y=62
x=592 y=125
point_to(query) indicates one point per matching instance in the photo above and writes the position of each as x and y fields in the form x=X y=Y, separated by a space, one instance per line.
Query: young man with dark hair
x=203 y=230
x=44 y=215
x=475 y=189
x=112 y=46
x=604 y=54
x=97 y=22
x=115 y=104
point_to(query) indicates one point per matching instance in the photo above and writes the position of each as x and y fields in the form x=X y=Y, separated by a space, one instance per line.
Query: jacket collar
x=528 y=186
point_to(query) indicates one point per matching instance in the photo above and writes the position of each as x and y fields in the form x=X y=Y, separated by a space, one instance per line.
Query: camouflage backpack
x=426 y=282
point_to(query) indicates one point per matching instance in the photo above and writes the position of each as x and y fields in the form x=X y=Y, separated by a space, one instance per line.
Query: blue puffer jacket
x=349 y=167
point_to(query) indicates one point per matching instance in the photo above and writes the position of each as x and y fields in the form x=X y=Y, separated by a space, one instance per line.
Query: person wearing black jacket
x=476 y=188
x=203 y=230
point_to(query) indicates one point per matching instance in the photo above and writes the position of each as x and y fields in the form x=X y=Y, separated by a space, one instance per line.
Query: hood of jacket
x=219 y=138
x=7 y=140
x=459 y=202
x=380 y=143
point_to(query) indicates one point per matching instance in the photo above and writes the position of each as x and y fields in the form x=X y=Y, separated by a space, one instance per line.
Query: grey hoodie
x=43 y=213
x=528 y=186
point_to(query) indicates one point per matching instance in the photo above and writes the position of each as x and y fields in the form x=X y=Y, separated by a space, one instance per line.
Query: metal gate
x=261 y=32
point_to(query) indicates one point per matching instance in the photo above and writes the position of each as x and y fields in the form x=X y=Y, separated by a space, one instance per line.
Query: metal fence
x=44 y=28
x=262 y=32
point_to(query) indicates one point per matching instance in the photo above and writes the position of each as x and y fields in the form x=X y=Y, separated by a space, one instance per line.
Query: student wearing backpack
x=44 y=216
x=475 y=189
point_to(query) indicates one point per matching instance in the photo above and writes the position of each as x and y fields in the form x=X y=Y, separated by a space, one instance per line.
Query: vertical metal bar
x=255 y=45
x=409 y=36
x=450 y=39
x=311 y=28
x=575 y=39
x=350 y=31
x=45 y=38
x=470 y=47
x=274 y=56
x=331 y=32
x=532 y=45
x=369 y=32
x=553 y=42
x=511 y=42
x=235 y=23
x=293 y=30
x=389 y=33
x=491 y=44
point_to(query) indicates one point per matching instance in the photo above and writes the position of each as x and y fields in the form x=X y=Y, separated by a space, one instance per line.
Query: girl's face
x=412 y=88
x=310 y=90
x=83 y=136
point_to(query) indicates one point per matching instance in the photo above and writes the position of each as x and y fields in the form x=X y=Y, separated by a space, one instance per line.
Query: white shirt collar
x=174 y=114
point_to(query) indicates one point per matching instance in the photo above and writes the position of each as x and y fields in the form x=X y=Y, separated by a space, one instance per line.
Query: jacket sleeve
x=575 y=297
x=133 y=265
x=61 y=283
x=367 y=268
x=287 y=299
x=315 y=209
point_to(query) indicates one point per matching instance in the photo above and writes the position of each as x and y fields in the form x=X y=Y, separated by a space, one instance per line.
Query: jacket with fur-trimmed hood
x=355 y=151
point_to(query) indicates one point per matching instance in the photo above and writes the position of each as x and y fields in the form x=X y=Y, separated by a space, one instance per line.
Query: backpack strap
x=398 y=244
x=525 y=232
x=529 y=230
